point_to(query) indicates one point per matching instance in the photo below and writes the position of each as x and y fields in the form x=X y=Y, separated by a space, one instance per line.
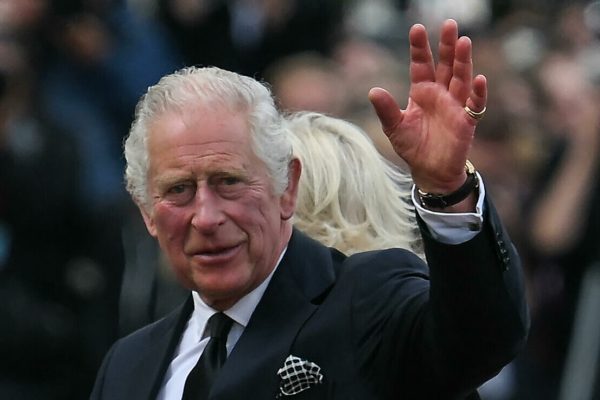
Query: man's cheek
x=170 y=219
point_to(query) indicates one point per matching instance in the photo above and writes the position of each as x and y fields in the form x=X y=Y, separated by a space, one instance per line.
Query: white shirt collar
x=240 y=312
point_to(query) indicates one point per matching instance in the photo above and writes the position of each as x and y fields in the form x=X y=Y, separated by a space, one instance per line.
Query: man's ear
x=289 y=196
x=148 y=219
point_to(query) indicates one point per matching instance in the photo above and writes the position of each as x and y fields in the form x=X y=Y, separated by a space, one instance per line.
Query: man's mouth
x=216 y=255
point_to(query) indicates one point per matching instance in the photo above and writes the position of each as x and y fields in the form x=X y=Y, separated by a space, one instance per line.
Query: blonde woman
x=350 y=197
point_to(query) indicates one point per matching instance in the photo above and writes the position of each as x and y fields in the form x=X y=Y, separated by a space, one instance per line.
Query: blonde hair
x=350 y=197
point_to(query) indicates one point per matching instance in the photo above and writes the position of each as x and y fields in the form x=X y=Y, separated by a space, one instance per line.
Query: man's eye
x=178 y=189
x=230 y=180
x=229 y=186
x=180 y=193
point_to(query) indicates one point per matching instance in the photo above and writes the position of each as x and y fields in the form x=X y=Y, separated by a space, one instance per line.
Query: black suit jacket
x=381 y=325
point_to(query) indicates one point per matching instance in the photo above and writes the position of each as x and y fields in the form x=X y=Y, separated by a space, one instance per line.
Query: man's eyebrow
x=169 y=179
x=174 y=177
x=229 y=172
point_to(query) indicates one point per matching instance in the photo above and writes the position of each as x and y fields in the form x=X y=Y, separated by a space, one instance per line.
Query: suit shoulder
x=139 y=337
x=384 y=268
x=397 y=260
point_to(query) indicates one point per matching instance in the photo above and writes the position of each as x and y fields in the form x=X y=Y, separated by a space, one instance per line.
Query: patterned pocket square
x=298 y=375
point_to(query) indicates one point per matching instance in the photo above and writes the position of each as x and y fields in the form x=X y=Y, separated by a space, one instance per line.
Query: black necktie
x=202 y=376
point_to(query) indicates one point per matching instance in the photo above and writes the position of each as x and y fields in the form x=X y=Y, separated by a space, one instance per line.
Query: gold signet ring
x=475 y=115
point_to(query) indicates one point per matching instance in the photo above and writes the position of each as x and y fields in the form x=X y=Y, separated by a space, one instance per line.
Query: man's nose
x=208 y=213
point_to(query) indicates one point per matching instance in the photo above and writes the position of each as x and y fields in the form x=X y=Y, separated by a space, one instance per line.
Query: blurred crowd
x=76 y=267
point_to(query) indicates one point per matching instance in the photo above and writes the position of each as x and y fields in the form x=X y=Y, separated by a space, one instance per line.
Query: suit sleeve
x=476 y=318
x=442 y=329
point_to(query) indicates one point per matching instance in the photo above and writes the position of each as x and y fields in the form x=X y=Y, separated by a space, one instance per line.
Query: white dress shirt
x=194 y=339
x=446 y=228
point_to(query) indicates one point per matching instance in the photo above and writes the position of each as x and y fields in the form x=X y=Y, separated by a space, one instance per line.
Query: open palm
x=434 y=134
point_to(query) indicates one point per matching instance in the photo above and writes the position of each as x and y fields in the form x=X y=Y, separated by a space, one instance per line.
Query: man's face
x=213 y=210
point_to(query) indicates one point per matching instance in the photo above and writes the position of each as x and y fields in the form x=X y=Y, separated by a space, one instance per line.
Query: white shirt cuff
x=453 y=228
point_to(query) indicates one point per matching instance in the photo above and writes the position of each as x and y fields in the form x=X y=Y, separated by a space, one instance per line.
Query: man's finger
x=447 y=45
x=422 y=66
x=386 y=108
x=478 y=99
x=462 y=71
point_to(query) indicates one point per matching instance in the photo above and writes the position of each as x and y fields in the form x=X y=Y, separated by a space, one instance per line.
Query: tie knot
x=218 y=325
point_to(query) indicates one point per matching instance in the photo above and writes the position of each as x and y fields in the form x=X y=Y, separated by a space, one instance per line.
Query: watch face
x=469 y=167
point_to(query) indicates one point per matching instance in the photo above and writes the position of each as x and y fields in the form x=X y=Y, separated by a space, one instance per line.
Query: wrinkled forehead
x=199 y=125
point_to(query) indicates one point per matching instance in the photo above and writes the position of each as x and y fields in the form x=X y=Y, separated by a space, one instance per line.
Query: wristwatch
x=433 y=200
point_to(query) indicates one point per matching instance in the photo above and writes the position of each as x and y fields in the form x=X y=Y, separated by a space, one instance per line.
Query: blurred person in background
x=59 y=267
x=308 y=81
x=248 y=35
x=335 y=84
x=364 y=63
x=565 y=225
x=540 y=150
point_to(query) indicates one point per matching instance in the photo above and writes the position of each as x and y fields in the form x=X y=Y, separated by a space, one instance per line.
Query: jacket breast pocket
x=325 y=390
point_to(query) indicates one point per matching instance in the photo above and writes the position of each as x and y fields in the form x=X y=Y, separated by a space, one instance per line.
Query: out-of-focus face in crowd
x=17 y=15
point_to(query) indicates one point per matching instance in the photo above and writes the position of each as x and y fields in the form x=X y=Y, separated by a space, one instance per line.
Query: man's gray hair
x=208 y=87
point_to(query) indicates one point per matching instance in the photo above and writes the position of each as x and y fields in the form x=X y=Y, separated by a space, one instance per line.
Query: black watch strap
x=433 y=200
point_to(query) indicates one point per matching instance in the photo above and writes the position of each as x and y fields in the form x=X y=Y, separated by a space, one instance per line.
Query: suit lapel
x=306 y=273
x=152 y=364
